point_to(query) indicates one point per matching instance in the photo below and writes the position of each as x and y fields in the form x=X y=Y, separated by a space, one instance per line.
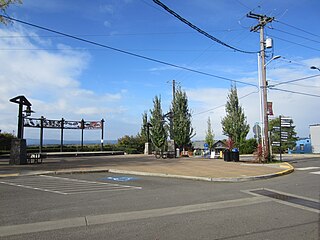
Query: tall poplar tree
x=209 y=135
x=158 y=131
x=234 y=124
x=182 y=127
x=144 y=127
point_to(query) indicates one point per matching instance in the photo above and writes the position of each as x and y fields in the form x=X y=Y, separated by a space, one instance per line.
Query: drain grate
x=287 y=198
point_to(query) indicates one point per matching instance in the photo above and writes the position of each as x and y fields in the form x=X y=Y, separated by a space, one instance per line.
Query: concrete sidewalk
x=187 y=168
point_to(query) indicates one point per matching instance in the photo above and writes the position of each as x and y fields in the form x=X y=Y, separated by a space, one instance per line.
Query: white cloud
x=303 y=109
x=50 y=80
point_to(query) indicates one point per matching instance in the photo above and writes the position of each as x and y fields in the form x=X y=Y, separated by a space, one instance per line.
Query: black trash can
x=227 y=155
x=235 y=155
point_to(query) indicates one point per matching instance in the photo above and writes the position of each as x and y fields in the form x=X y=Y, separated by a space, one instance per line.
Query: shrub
x=248 y=146
x=5 y=141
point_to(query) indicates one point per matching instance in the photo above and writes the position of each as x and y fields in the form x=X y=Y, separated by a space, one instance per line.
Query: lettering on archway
x=62 y=124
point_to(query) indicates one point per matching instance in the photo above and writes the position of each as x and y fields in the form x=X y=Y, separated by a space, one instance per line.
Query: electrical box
x=269 y=43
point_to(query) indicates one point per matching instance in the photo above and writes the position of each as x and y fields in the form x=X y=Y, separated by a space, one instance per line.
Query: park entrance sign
x=63 y=124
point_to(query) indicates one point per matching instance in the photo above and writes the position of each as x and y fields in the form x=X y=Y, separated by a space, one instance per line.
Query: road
x=110 y=206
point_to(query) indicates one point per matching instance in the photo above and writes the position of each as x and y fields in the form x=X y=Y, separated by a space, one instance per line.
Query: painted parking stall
x=65 y=186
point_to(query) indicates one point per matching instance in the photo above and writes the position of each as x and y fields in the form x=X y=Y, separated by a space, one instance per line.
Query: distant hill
x=31 y=142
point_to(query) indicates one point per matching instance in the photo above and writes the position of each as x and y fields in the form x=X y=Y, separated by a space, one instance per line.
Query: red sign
x=269 y=109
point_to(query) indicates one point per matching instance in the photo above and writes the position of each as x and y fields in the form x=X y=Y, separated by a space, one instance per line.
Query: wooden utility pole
x=263 y=20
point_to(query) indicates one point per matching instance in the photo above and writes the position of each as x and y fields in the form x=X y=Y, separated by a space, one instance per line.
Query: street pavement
x=99 y=205
x=195 y=168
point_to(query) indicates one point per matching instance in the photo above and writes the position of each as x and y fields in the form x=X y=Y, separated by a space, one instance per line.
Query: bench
x=35 y=157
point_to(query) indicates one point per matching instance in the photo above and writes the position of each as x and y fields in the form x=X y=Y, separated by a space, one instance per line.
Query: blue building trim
x=303 y=145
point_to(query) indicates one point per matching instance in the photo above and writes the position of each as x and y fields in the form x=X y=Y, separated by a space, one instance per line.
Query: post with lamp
x=147 y=145
x=315 y=68
x=42 y=119
x=18 y=152
x=102 y=129
x=264 y=104
x=263 y=21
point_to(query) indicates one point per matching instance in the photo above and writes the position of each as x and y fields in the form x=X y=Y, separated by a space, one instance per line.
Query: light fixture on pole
x=263 y=101
x=273 y=58
x=22 y=101
x=18 y=152
x=314 y=67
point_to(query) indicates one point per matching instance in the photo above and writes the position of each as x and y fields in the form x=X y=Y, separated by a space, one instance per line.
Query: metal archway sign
x=63 y=124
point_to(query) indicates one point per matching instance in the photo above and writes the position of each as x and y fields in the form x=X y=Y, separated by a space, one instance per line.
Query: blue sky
x=63 y=77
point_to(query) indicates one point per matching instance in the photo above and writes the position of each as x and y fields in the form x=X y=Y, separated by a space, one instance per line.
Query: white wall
x=315 y=138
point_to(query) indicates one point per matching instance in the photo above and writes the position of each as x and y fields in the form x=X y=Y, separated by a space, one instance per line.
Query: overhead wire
x=299 y=44
x=120 y=34
x=200 y=30
x=297 y=28
x=126 y=52
x=300 y=85
x=223 y=104
x=295 y=80
x=300 y=93
x=292 y=34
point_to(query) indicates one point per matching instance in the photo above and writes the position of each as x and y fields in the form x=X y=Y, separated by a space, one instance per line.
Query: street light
x=273 y=58
x=263 y=101
x=22 y=101
x=18 y=152
x=28 y=111
x=314 y=67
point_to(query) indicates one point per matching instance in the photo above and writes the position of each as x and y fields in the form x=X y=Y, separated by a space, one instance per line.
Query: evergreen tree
x=158 y=131
x=275 y=135
x=5 y=141
x=234 y=124
x=182 y=127
x=144 y=128
x=209 y=135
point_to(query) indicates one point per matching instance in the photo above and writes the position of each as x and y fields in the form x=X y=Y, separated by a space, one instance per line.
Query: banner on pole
x=269 y=108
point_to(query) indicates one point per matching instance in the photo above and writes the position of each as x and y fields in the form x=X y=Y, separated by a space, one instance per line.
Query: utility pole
x=263 y=20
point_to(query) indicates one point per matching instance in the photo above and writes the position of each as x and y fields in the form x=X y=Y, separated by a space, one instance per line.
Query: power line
x=301 y=85
x=121 y=34
x=126 y=52
x=292 y=34
x=299 y=44
x=300 y=29
x=98 y=49
x=200 y=30
x=300 y=93
x=244 y=5
x=295 y=80
x=222 y=105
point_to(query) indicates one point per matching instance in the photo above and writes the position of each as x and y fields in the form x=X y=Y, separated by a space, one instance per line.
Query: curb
x=9 y=175
x=289 y=170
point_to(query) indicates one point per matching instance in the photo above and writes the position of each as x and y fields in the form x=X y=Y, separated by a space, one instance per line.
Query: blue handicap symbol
x=119 y=178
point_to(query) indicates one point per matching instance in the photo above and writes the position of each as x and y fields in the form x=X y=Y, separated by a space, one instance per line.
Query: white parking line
x=85 y=181
x=315 y=172
x=306 y=168
x=34 y=188
x=65 y=186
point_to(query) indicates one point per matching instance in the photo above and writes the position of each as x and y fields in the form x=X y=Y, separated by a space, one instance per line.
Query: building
x=315 y=137
x=303 y=145
x=218 y=146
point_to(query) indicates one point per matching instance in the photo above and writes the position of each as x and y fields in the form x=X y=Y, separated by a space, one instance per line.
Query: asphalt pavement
x=100 y=205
